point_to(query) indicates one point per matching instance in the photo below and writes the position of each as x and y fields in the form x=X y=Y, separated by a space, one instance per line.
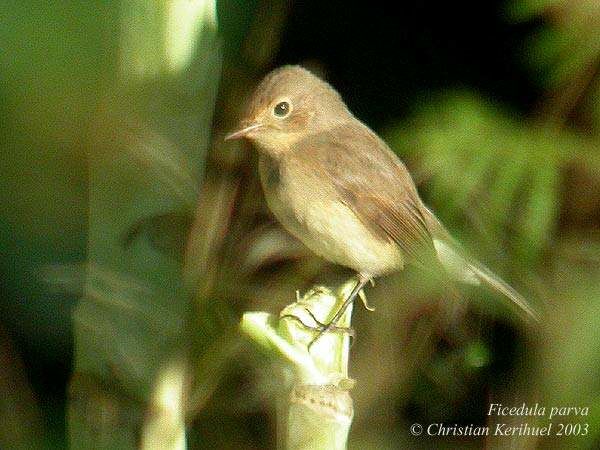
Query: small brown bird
x=336 y=186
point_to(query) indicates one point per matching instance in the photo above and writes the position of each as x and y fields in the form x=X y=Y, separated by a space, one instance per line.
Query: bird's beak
x=243 y=131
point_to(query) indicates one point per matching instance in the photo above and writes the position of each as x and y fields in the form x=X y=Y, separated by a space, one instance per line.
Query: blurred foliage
x=116 y=186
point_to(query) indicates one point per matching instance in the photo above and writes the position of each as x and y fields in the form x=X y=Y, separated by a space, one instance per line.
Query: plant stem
x=316 y=411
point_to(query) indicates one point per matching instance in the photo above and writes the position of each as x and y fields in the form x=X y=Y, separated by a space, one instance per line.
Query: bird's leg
x=332 y=327
x=320 y=325
x=362 y=281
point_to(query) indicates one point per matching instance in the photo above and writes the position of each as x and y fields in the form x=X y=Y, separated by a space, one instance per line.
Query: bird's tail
x=468 y=270
x=492 y=280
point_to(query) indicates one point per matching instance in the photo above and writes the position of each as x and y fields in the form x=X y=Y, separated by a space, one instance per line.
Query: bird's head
x=289 y=104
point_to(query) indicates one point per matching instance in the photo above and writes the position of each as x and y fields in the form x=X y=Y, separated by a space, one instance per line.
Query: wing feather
x=376 y=186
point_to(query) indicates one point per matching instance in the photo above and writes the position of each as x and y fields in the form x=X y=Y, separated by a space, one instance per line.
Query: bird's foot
x=363 y=297
x=321 y=327
x=332 y=328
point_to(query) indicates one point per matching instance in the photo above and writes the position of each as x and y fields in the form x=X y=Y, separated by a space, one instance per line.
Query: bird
x=336 y=186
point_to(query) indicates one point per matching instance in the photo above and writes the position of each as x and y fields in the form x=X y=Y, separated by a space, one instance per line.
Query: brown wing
x=374 y=183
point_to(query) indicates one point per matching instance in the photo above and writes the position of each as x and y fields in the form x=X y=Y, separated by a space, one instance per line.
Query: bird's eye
x=281 y=109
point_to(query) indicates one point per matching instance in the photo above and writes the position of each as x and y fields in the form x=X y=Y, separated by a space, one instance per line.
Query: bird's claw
x=363 y=297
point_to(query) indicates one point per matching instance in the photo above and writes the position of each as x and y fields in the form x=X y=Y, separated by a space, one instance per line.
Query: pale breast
x=310 y=209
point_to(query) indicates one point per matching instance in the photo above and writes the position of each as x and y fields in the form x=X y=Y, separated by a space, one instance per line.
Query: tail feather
x=495 y=282
x=466 y=270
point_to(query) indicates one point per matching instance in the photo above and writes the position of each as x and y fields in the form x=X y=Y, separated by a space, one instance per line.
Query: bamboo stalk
x=316 y=411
